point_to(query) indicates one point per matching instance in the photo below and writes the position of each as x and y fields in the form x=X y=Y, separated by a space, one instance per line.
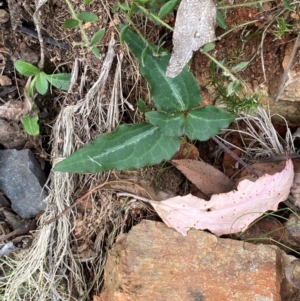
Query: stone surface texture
x=22 y=180
x=153 y=262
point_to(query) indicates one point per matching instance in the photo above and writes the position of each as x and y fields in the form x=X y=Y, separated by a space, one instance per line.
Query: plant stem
x=243 y=4
x=232 y=154
x=74 y=16
x=221 y=66
x=145 y=11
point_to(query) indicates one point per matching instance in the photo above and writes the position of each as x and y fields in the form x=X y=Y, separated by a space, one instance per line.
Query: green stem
x=243 y=4
x=221 y=66
x=74 y=16
x=230 y=30
x=145 y=11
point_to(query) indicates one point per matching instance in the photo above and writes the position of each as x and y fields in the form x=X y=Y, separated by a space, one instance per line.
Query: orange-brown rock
x=155 y=263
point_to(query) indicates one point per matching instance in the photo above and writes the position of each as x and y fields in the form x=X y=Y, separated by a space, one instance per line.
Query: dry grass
x=64 y=263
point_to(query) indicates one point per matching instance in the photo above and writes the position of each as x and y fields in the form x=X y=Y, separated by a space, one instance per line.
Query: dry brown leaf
x=207 y=178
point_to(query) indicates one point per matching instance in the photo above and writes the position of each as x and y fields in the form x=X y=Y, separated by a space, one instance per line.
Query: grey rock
x=22 y=180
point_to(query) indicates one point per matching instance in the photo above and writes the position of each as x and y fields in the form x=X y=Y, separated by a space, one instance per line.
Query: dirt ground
x=246 y=43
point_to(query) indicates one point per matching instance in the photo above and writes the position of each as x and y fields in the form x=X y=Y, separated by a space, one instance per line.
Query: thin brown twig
x=82 y=198
x=287 y=69
x=232 y=154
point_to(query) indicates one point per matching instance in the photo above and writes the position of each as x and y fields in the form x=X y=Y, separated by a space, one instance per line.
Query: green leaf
x=168 y=94
x=234 y=87
x=170 y=124
x=221 y=21
x=30 y=90
x=85 y=2
x=59 y=80
x=208 y=47
x=70 y=23
x=130 y=146
x=167 y=8
x=97 y=37
x=203 y=123
x=123 y=32
x=25 y=68
x=31 y=125
x=142 y=106
x=240 y=66
x=87 y=17
x=41 y=83
x=96 y=52
x=287 y=5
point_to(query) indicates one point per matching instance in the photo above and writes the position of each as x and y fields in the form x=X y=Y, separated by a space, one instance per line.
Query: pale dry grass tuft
x=51 y=268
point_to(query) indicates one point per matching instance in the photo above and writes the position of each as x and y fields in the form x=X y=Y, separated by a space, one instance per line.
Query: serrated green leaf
x=203 y=123
x=170 y=124
x=25 y=68
x=220 y=20
x=87 y=17
x=41 y=83
x=97 y=37
x=85 y=2
x=130 y=146
x=123 y=32
x=59 y=80
x=31 y=125
x=168 y=94
x=142 y=106
x=240 y=66
x=70 y=23
x=167 y=8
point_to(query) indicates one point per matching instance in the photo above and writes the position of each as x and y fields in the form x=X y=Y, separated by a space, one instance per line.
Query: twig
x=47 y=39
x=232 y=154
x=39 y=33
x=288 y=67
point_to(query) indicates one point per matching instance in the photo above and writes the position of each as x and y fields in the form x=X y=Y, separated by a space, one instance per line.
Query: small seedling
x=77 y=21
x=40 y=83
x=282 y=28
x=178 y=114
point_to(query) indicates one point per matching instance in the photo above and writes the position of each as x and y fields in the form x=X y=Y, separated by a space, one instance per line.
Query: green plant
x=40 y=83
x=232 y=95
x=77 y=21
x=178 y=113
x=282 y=28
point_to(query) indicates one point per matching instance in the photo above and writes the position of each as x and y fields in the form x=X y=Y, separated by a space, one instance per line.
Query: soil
x=251 y=43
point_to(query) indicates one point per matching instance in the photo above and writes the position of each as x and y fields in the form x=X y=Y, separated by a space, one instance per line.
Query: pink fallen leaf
x=230 y=212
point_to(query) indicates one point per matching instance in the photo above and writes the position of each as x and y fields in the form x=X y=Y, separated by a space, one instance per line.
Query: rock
x=11 y=135
x=22 y=180
x=5 y=80
x=4 y=16
x=153 y=262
